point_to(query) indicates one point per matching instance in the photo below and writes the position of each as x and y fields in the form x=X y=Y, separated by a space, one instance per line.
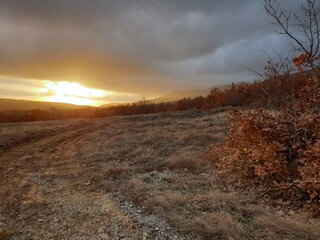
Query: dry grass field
x=13 y=134
x=137 y=177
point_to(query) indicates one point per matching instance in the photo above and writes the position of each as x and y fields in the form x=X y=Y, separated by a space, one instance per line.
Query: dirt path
x=44 y=195
x=141 y=177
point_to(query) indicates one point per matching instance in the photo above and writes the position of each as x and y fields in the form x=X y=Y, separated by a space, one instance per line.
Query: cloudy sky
x=121 y=50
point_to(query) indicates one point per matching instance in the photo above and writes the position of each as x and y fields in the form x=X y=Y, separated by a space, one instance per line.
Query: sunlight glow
x=72 y=92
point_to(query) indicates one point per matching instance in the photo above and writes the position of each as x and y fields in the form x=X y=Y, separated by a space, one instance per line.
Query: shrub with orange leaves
x=278 y=149
x=300 y=61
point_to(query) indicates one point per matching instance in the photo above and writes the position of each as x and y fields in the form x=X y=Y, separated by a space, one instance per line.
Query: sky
x=99 y=51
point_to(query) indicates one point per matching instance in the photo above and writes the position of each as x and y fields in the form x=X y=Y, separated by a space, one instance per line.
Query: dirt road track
x=44 y=194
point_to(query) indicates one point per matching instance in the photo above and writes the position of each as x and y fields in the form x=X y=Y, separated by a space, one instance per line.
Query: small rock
x=139 y=211
x=168 y=228
x=281 y=213
x=104 y=237
x=101 y=230
x=156 y=229
x=291 y=212
x=41 y=220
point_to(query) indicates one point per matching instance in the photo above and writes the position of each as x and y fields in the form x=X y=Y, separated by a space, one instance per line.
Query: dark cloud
x=138 y=46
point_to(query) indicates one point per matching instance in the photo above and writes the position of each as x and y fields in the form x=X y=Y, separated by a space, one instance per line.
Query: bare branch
x=254 y=71
x=282 y=19
x=307 y=22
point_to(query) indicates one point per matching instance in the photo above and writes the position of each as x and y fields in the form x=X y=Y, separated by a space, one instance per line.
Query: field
x=137 y=177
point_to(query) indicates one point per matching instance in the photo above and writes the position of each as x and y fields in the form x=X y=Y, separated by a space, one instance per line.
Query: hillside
x=24 y=105
x=111 y=105
x=138 y=177
x=177 y=95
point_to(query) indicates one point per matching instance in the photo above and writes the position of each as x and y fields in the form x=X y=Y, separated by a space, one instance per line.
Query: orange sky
x=61 y=91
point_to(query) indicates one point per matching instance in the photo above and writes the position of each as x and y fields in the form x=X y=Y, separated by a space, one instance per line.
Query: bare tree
x=308 y=23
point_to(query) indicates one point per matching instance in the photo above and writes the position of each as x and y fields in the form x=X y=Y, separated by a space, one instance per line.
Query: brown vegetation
x=278 y=147
x=13 y=134
x=128 y=175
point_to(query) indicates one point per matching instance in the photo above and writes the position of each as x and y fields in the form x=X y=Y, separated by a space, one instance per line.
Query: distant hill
x=175 y=96
x=24 y=105
x=112 y=105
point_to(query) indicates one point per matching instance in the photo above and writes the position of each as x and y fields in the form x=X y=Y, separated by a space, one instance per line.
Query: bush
x=280 y=149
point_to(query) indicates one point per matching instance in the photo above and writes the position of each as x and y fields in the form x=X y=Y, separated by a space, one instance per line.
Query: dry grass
x=13 y=133
x=275 y=227
x=218 y=225
x=164 y=202
x=158 y=163
x=217 y=200
x=201 y=138
x=138 y=190
x=116 y=171
x=6 y=234
x=182 y=161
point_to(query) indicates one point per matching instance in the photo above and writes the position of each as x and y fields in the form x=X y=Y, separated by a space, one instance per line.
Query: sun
x=72 y=92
